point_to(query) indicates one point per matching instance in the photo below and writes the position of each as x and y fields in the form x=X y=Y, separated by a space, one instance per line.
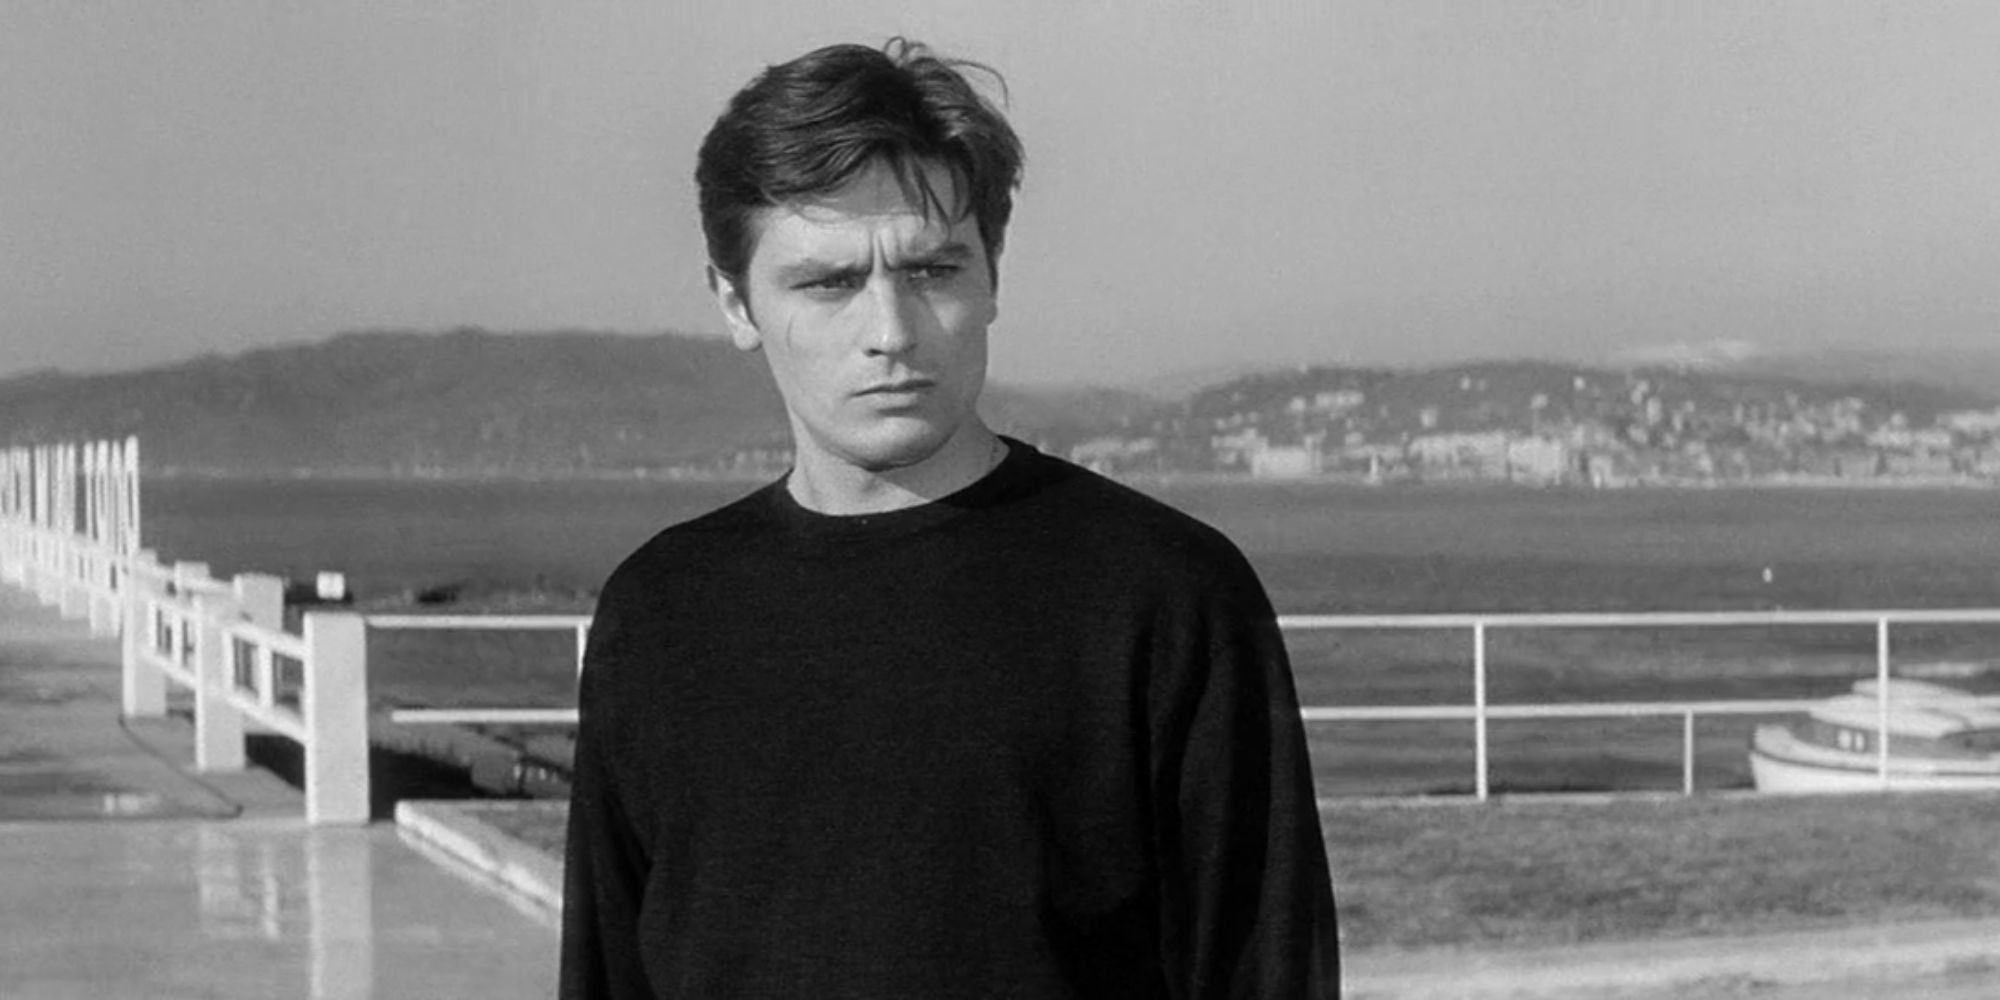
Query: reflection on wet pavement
x=70 y=804
x=252 y=909
x=208 y=885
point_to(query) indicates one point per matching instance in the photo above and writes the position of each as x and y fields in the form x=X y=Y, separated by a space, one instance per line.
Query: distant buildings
x=1297 y=461
x=1552 y=427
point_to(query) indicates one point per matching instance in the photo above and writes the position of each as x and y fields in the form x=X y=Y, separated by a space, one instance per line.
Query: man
x=935 y=715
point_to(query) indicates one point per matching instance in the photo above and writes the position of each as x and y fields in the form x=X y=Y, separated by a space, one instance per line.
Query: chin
x=899 y=444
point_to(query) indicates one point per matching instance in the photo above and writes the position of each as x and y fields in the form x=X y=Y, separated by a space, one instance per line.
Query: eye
x=923 y=273
x=844 y=282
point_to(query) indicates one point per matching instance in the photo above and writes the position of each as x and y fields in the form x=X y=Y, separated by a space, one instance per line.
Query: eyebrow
x=817 y=270
x=811 y=269
x=947 y=253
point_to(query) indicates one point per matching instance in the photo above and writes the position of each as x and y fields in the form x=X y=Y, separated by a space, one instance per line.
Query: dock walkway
x=127 y=875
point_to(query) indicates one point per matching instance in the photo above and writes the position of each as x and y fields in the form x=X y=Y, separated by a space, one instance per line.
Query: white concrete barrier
x=69 y=532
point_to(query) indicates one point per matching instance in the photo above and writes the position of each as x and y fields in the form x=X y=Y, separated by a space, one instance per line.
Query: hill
x=473 y=402
x=1973 y=370
x=467 y=402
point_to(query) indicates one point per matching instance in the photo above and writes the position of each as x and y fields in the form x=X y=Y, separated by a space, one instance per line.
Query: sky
x=1209 y=184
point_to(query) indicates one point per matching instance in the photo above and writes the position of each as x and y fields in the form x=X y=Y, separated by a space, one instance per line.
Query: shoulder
x=681 y=553
x=1073 y=495
x=1114 y=523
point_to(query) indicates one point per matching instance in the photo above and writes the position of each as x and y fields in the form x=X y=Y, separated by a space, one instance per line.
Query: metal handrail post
x=1479 y=706
x=1687 y=753
x=1882 y=700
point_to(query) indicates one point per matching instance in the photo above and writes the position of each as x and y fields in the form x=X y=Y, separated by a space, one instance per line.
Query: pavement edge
x=456 y=830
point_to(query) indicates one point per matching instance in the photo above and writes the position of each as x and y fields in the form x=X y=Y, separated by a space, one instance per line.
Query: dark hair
x=810 y=125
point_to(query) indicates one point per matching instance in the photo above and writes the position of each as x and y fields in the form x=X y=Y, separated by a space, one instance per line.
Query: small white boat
x=1940 y=738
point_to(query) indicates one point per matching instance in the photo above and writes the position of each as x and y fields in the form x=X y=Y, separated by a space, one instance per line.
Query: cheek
x=968 y=338
x=804 y=355
x=821 y=331
x=966 y=319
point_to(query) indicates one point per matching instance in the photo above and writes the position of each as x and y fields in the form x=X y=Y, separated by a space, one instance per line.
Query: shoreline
x=1954 y=484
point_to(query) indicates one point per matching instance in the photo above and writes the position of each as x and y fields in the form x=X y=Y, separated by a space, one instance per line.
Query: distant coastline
x=378 y=475
x=1135 y=478
x=473 y=406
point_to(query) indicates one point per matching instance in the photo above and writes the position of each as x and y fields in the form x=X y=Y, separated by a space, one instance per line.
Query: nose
x=894 y=327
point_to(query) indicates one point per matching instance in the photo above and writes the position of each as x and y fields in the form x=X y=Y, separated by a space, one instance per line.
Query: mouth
x=899 y=387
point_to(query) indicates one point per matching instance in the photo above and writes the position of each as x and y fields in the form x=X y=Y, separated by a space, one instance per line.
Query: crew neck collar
x=981 y=492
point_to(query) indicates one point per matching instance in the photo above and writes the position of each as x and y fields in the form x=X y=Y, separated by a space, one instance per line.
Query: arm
x=1247 y=901
x=605 y=870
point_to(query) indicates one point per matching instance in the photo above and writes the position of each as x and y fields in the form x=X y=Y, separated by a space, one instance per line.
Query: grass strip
x=1511 y=873
x=1426 y=874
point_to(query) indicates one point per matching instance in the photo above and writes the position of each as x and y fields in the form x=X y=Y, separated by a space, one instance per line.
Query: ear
x=735 y=310
x=993 y=287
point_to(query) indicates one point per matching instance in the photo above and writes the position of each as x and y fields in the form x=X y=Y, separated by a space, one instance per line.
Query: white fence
x=71 y=523
x=225 y=642
x=1481 y=711
x=69 y=532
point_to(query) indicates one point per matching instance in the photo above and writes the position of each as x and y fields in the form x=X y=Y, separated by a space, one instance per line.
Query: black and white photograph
x=1250 y=499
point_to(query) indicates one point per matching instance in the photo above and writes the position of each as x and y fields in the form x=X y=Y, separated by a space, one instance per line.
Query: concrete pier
x=126 y=873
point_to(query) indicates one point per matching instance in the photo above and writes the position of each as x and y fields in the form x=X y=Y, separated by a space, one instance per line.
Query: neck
x=830 y=484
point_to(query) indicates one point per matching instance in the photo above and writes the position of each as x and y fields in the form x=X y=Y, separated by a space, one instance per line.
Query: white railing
x=69 y=532
x=225 y=643
x=1480 y=711
x=69 y=524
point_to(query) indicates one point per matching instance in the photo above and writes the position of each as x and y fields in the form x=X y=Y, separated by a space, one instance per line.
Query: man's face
x=873 y=318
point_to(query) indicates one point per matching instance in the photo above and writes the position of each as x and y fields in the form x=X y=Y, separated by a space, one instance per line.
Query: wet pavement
x=64 y=751
x=253 y=909
x=126 y=874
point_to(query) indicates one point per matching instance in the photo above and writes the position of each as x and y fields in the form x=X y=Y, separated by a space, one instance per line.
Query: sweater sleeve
x=1247 y=901
x=605 y=871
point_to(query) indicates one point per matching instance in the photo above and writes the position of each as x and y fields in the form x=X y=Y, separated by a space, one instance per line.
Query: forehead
x=875 y=208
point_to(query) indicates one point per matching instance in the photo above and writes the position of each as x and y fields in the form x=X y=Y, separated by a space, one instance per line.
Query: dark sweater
x=1038 y=739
